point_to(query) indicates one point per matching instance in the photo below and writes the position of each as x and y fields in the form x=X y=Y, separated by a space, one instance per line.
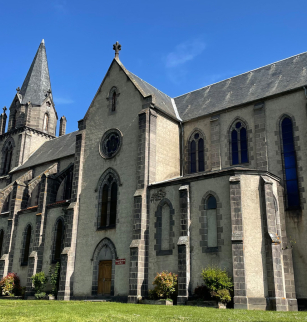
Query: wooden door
x=104 y=277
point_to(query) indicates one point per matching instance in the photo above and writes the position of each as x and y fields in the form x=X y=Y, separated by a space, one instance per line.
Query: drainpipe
x=305 y=91
x=181 y=148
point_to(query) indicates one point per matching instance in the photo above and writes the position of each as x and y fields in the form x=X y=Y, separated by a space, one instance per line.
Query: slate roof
x=60 y=147
x=37 y=81
x=161 y=100
x=257 y=84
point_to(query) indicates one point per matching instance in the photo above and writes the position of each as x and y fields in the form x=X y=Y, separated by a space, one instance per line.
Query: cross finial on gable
x=117 y=47
x=18 y=89
x=4 y=109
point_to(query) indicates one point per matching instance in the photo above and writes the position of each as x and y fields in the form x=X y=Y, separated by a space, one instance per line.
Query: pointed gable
x=37 y=81
x=160 y=100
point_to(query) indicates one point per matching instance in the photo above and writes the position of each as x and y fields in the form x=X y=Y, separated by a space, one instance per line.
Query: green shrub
x=216 y=279
x=10 y=285
x=222 y=295
x=54 y=278
x=40 y=296
x=165 y=285
x=39 y=281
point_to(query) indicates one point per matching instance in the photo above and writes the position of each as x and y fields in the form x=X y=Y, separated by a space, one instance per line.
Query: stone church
x=148 y=183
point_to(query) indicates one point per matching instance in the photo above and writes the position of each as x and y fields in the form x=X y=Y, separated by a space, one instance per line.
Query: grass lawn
x=11 y=310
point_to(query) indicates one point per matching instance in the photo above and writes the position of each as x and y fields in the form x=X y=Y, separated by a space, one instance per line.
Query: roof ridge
x=252 y=70
x=58 y=137
x=149 y=84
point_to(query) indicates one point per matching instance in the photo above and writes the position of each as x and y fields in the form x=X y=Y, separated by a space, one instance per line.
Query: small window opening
x=27 y=246
x=114 y=101
x=58 y=241
x=46 y=122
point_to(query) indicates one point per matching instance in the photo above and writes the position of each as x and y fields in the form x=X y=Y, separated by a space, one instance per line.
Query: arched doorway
x=104 y=257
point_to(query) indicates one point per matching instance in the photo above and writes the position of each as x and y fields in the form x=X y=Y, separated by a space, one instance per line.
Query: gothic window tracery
x=108 y=202
x=289 y=164
x=238 y=145
x=197 y=152
x=110 y=143
x=8 y=153
x=65 y=188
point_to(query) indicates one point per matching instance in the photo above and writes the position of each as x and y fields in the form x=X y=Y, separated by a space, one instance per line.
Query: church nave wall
x=19 y=267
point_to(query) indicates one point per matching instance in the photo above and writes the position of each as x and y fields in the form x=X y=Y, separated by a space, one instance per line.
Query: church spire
x=37 y=82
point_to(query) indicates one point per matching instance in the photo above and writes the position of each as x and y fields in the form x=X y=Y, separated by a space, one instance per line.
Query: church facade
x=148 y=183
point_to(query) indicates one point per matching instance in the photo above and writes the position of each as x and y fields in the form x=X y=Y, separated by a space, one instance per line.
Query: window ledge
x=29 y=209
x=59 y=203
x=107 y=227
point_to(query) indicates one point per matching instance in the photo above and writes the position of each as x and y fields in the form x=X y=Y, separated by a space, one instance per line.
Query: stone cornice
x=236 y=171
x=25 y=128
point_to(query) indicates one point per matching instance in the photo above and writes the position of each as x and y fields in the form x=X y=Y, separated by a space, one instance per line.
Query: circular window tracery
x=110 y=143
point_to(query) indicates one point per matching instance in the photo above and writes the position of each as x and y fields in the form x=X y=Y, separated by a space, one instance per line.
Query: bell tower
x=33 y=118
x=33 y=103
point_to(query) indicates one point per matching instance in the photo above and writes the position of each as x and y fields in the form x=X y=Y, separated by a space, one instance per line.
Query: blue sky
x=177 y=46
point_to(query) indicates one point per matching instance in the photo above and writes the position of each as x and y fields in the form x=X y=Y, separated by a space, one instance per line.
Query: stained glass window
x=239 y=148
x=289 y=156
x=197 y=154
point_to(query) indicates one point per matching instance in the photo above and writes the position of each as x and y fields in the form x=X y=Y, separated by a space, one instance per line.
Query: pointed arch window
x=8 y=154
x=27 y=244
x=164 y=228
x=238 y=145
x=114 y=101
x=14 y=119
x=197 y=153
x=46 y=122
x=6 y=204
x=108 y=203
x=211 y=207
x=1 y=241
x=58 y=244
x=289 y=164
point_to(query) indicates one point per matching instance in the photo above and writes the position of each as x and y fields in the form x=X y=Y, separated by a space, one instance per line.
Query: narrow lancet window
x=26 y=252
x=114 y=102
x=193 y=157
x=165 y=244
x=212 y=222
x=290 y=169
x=108 y=203
x=239 y=149
x=46 y=122
x=58 y=247
x=197 y=154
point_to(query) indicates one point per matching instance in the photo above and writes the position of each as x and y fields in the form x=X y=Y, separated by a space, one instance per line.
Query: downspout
x=181 y=148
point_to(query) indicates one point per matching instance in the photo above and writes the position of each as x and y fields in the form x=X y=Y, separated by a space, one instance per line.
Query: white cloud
x=62 y=100
x=184 y=52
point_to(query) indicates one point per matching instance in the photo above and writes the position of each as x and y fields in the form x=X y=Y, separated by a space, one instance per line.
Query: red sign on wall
x=120 y=261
